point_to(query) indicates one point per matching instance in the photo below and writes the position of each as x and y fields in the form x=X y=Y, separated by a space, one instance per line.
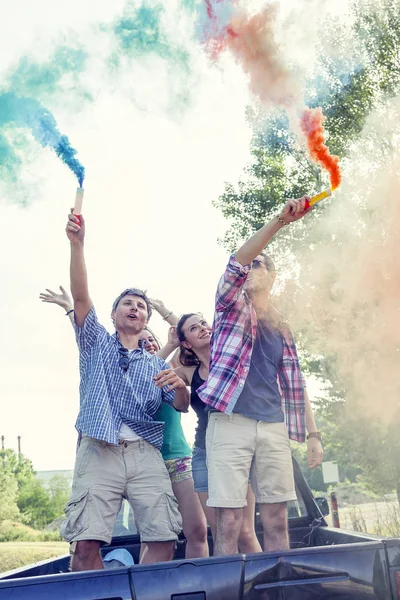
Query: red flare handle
x=317 y=198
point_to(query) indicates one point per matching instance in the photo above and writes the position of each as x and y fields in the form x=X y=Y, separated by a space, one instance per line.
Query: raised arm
x=171 y=345
x=166 y=314
x=292 y=211
x=63 y=300
x=78 y=274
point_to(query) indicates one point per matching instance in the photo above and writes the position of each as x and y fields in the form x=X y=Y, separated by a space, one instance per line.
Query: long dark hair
x=186 y=357
x=159 y=344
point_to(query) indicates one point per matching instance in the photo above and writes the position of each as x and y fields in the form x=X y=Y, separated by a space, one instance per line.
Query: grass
x=380 y=518
x=18 y=554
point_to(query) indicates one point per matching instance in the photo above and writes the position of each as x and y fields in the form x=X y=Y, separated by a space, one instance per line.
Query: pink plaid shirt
x=233 y=335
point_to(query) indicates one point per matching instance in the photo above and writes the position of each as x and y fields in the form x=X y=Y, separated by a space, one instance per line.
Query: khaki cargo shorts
x=103 y=475
x=237 y=446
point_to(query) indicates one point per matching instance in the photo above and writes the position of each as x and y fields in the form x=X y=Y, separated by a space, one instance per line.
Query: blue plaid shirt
x=109 y=396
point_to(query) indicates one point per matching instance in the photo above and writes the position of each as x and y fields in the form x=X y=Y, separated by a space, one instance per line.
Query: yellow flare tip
x=320 y=196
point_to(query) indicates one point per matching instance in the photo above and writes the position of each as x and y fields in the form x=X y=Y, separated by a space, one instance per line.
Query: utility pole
x=2 y=442
x=19 y=445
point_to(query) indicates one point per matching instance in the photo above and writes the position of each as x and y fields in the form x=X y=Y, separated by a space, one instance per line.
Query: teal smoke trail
x=27 y=112
x=139 y=32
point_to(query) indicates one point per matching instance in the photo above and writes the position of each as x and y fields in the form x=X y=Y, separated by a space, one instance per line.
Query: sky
x=152 y=173
x=150 y=223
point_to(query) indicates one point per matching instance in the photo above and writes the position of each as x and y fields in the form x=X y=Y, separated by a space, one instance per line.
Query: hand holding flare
x=77 y=210
x=318 y=198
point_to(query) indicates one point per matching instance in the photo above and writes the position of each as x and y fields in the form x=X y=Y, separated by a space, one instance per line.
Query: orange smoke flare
x=312 y=126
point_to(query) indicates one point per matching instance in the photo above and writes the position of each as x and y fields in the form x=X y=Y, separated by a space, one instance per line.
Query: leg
x=273 y=483
x=86 y=556
x=229 y=522
x=94 y=504
x=275 y=524
x=149 y=492
x=193 y=519
x=153 y=552
x=230 y=442
x=248 y=542
x=209 y=513
x=200 y=479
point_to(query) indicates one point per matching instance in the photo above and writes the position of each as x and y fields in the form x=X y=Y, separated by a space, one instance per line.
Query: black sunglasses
x=257 y=264
x=123 y=361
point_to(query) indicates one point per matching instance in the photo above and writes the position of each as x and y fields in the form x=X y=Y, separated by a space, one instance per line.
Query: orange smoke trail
x=312 y=126
x=251 y=41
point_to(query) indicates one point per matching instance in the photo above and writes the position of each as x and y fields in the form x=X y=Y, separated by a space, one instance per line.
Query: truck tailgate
x=352 y=571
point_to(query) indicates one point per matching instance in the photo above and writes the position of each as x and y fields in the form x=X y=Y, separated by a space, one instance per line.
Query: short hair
x=268 y=262
x=133 y=292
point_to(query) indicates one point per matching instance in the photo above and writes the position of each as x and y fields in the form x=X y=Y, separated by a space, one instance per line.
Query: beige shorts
x=103 y=475
x=237 y=446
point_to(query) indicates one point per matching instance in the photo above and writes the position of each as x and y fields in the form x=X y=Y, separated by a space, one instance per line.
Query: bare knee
x=153 y=552
x=197 y=532
x=229 y=520
x=274 y=517
x=87 y=550
x=246 y=537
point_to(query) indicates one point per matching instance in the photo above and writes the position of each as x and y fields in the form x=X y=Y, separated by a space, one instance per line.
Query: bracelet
x=315 y=434
x=282 y=221
x=167 y=316
x=69 y=312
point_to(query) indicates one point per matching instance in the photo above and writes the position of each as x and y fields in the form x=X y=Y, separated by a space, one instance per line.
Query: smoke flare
x=252 y=43
x=27 y=112
x=312 y=126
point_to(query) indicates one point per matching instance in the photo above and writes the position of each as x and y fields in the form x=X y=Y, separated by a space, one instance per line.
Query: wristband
x=167 y=316
x=315 y=434
x=282 y=221
x=69 y=312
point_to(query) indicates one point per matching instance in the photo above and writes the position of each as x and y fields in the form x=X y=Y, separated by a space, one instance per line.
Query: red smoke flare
x=312 y=126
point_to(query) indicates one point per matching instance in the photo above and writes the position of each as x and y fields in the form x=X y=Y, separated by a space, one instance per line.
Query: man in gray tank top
x=255 y=395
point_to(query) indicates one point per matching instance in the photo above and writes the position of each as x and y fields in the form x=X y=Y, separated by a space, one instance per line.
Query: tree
x=8 y=492
x=35 y=504
x=23 y=496
x=60 y=489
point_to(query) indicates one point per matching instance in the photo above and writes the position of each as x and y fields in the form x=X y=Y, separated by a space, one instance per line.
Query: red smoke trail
x=252 y=42
x=312 y=126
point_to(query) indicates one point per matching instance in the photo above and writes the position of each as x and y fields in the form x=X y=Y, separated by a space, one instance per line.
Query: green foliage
x=60 y=490
x=35 y=505
x=11 y=531
x=8 y=494
x=24 y=497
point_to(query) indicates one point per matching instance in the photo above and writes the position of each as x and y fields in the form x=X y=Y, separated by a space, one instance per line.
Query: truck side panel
x=335 y=572
x=87 y=585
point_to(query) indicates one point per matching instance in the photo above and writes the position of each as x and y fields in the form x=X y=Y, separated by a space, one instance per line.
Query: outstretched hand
x=295 y=209
x=64 y=299
x=158 y=305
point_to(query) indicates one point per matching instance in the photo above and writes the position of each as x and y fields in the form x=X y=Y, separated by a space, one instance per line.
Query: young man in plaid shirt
x=255 y=395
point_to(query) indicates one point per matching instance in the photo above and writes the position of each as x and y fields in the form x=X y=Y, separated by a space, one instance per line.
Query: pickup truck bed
x=323 y=563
